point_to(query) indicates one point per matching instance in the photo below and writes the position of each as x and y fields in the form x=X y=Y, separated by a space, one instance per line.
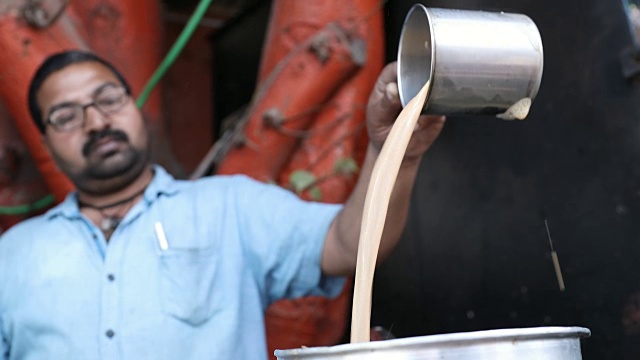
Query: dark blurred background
x=475 y=253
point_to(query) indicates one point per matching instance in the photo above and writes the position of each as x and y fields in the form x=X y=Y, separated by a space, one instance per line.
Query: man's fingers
x=426 y=121
x=389 y=74
x=391 y=92
x=384 y=104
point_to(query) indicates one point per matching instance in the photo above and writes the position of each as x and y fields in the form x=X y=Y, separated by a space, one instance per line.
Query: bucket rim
x=513 y=335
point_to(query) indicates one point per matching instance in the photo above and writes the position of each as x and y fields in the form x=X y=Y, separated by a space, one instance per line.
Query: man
x=137 y=265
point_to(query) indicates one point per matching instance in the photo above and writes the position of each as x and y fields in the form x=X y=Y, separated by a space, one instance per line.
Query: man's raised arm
x=341 y=245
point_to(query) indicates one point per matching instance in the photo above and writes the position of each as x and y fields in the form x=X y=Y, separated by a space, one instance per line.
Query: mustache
x=97 y=136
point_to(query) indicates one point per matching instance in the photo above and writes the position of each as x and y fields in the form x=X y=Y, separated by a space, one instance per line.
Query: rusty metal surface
x=42 y=13
x=7 y=6
x=19 y=179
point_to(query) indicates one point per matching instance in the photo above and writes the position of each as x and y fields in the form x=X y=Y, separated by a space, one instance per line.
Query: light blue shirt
x=234 y=246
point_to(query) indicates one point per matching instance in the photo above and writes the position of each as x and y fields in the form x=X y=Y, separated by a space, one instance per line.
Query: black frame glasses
x=69 y=116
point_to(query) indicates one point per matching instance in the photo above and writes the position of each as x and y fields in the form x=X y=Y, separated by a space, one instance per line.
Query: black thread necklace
x=109 y=222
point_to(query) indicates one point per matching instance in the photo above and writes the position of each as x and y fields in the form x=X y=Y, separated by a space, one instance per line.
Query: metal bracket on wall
x=42 y=13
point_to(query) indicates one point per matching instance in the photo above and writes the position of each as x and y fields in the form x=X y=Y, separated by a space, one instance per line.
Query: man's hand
x=341 y=245
x=383 y=109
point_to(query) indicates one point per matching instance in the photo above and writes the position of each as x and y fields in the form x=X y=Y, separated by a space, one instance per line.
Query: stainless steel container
x=546 y=343
x=479 y=62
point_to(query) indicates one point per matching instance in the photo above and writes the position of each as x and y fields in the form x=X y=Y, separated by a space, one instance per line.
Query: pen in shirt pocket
x=161 y=236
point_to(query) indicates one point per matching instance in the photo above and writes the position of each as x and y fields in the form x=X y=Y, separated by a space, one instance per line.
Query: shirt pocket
x=187 y=279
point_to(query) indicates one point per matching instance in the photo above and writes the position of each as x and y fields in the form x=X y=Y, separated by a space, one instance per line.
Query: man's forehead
x=78 y=80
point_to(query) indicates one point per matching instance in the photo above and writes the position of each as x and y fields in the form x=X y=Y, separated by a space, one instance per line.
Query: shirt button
x=110 y=277
x=110 y=334
x=94 y=236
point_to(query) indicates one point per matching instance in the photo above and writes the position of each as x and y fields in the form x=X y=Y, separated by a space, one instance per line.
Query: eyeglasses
x=72 y=116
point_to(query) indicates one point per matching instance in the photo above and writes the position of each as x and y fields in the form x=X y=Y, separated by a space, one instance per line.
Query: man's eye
x=111 y=100
x=63 y=117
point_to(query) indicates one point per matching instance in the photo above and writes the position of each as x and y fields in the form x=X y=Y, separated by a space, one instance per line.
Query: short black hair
x=58 y=62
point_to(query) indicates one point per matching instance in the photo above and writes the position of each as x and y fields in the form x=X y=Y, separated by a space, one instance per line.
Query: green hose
x=28 y=208
x=177 y=47
x=166 y=63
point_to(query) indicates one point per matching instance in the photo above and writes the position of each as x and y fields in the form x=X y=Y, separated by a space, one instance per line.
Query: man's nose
x=95 y=120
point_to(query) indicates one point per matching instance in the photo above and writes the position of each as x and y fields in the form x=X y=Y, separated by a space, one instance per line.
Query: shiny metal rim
x=447 y=339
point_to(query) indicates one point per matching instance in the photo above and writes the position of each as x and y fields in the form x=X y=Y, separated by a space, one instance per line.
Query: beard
x=114 y=163
x=106 y=172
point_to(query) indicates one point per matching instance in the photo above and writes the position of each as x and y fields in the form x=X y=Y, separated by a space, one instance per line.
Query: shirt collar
x=162 y=183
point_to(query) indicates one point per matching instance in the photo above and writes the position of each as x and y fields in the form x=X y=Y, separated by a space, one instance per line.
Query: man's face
x=108 y=146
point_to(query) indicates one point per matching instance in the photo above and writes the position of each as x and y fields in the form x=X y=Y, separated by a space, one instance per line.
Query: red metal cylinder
x=333 y=129
x=23 y=49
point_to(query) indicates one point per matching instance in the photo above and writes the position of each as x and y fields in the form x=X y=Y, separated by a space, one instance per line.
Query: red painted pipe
x=305 y=81
x=313 y=321
x=23 y=49
x=338 y=132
